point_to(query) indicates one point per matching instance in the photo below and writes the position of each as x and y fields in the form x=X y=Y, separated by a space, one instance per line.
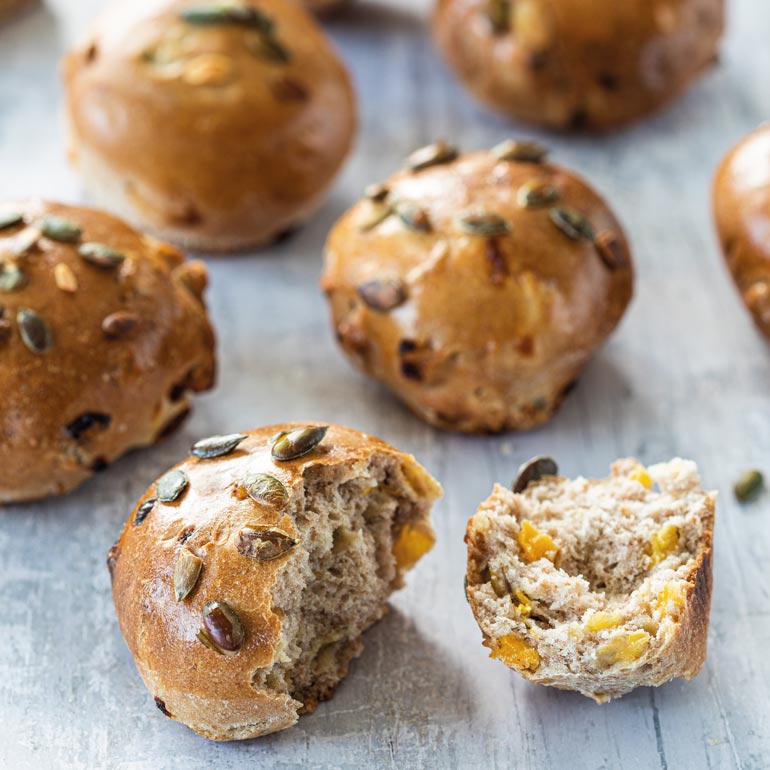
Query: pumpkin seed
x=171 y=486
x=383 y=296
x=222 y=628
x=749 y=485
x=10 y=219
x=520 y=152
x=34 y=331
x=101 y=256
x=298 y=442
x=12 y=277
x=84 y=422
x=269 y=47
x=433 y=155
x=376 y=192
x=378 y=213
x=610 y=251
x=534 y=470
x=65 y=278
x=144 y=511
x=499 y=15
x=216 y=446
x=186 y=573
x=22 y=242
x=414 y=217
x=121 y=324
x=536 y=193
x=572 y=223
x=488 y=225
x=60 y=229
x=264 y=543
x=227 y=13
x=266 y=490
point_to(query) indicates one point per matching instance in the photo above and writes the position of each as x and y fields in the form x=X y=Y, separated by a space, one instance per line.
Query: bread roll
x=245 y=577
x=598 y=586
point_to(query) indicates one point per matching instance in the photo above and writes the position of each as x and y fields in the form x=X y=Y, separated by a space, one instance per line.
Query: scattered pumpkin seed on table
x=217 y=446
x=266 y=490
x=60 y=229
x=297 y=442
x=264 y=543
x=170 y=486
x=186 y=573
x=534 y=470
x=749 y=485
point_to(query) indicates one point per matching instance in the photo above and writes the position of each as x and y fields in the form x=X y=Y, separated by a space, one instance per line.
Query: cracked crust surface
x=484 y=334
x=351 y=502
x=618 y=593
x=93 y=396
x=579 y=64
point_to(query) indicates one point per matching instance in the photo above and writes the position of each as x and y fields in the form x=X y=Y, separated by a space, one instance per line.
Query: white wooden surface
x=686 y=374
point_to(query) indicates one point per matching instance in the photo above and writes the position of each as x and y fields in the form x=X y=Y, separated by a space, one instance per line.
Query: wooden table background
x=686 y=374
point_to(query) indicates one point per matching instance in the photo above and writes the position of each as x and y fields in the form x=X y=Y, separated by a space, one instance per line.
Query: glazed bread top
x=102 y=331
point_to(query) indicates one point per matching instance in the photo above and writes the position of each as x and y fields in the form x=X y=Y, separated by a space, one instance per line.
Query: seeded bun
x=102 y=333
x=216 y=129
x=477 y=286
x=742 y=214
x=578 y=64
x=598 y=586
x=299 y=533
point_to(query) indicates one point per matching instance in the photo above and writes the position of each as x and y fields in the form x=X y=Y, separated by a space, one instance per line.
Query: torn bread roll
x=598 y=586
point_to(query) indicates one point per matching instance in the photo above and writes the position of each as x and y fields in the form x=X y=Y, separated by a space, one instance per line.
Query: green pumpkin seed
x=572 y=223
x=520 y=152
x=534 y=470
x=10 y=219
x=414 y=217
x=376 y=192
x=144 y=511
x=298 y=442
x=222 y=628
x=266 y=490
x=217 y=446
x=433 y=155
x=264 y=543
x=60 y=229
x=536 y=193
x=383 y=296
x=267 y=46
x=227 y=13
x=101 y=256
x=749 y=485
x=186 y=573
x=34 y=331
x=488 y=225
x=499 y=14
x=171 y=486
x=12 y=277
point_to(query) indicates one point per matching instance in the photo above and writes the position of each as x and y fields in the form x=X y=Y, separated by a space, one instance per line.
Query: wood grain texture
x=686 y=374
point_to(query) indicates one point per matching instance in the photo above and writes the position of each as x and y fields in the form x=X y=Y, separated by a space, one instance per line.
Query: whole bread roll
x=245 y=577
x=477 y=286
x=742 y=214
x=578 y=64
x=217 y=126
x=598 y=586
x=103 y=331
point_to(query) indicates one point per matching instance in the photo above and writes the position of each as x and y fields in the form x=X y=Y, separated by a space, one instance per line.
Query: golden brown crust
x=126 y=344
x=484 y=334
x=212 y=693
x=10 y=7
x=742 y=214
x=193 y=132
x=579 y=64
